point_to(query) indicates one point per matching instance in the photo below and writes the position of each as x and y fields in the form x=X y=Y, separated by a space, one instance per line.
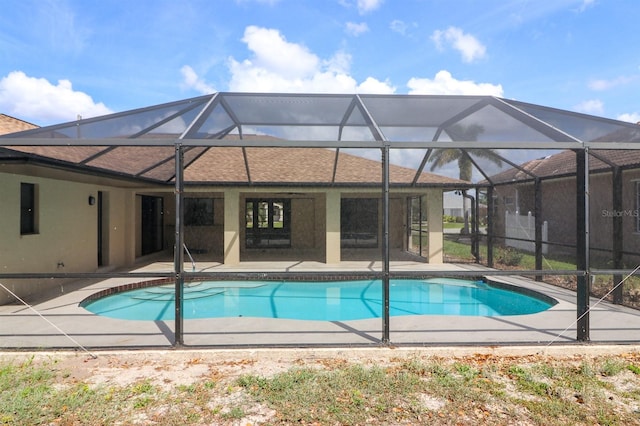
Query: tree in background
x=443 y=156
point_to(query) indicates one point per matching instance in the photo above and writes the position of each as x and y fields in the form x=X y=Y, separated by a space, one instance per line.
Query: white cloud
x=586 y=4
x=399 y=26
x=272 y=51
x=37 y=100
x=277 y=65
x=191 y=80
x=468 y=46
x=592 y=106
x=365 y=6
x=340 y=63
x=444 y=84
x=356 y=29
x=631 y=117
x=372 y=85
x=602 y=84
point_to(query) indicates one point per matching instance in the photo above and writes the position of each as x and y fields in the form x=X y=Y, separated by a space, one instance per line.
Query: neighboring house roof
x=564 y=164
x=10 y=124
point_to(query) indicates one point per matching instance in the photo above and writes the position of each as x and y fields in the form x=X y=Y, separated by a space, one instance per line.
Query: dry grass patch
x=410 y=389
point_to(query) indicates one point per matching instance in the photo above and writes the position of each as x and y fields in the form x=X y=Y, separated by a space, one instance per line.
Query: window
x=268 y=223
x=198 y=211
x=27 y=208
x=359 y=222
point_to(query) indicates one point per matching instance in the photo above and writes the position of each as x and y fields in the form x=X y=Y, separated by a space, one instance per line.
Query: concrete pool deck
x=22 y=328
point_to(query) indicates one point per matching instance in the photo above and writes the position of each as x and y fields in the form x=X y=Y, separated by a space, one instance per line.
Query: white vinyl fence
x=524 y=228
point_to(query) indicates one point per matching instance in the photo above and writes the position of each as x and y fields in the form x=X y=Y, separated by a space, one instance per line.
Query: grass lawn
x=462 y=251
x=453 y=225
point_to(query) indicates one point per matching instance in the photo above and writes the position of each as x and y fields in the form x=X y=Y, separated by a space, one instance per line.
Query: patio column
x=231 y=227
x=131 y=227
x=434 y=220
x=332 y=245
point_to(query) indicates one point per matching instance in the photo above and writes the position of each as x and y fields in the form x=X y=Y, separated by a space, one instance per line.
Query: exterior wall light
x=92 y=200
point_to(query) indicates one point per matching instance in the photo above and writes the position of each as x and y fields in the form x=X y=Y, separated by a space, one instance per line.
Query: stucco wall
x=66 y=238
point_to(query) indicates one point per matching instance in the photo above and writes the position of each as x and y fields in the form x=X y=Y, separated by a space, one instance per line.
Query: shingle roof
x=224 y=165
x=298 y=165
x=10 y=124
x=564 y=164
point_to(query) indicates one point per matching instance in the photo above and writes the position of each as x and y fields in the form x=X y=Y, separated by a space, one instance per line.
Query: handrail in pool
x=193 y=263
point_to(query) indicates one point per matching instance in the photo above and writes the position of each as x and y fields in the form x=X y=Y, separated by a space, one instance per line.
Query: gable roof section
x=564 y=164
x=10 y=124
x=231 y=165
x=298 y=166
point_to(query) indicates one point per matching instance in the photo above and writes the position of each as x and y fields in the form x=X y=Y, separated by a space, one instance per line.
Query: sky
x=63 y=58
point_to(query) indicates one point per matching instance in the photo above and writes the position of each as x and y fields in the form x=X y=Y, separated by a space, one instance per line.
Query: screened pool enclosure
x=321 y=187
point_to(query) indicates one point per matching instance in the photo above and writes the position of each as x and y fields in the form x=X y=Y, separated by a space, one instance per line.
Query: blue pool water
x=326 y=301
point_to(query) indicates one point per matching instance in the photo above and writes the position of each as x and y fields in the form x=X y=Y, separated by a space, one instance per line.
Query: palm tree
x=443 y=156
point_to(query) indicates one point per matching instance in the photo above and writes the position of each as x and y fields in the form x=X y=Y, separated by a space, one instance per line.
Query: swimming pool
x=325 y=301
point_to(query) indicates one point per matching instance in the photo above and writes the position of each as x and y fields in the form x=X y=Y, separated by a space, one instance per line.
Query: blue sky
x=60 y=59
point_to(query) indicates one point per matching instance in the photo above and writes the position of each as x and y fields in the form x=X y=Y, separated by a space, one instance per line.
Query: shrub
x=509 y=256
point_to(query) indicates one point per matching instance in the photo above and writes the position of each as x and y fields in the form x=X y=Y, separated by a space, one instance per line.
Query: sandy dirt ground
x=168 y=368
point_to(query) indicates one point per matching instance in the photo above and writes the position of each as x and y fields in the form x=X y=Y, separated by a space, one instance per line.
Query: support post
x=231 y=227
x=385 y=244
x=618 y=236
x=332 y=221
x=435 y=244
x=490 y=225
x=475 y=227
x=179 y=244
x=582 y=243
x=537 y=211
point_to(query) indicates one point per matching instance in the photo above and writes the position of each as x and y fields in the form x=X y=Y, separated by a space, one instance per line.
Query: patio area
x=23 y=328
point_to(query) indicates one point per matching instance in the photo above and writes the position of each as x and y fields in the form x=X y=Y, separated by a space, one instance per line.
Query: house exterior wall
x=315 y=214
x=559 y=210
x=67 y=236
x=118 y=226
x=630 y=202
x=68 y=225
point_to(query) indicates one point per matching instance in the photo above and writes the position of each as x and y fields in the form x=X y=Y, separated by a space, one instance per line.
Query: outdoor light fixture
x=92 y=200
